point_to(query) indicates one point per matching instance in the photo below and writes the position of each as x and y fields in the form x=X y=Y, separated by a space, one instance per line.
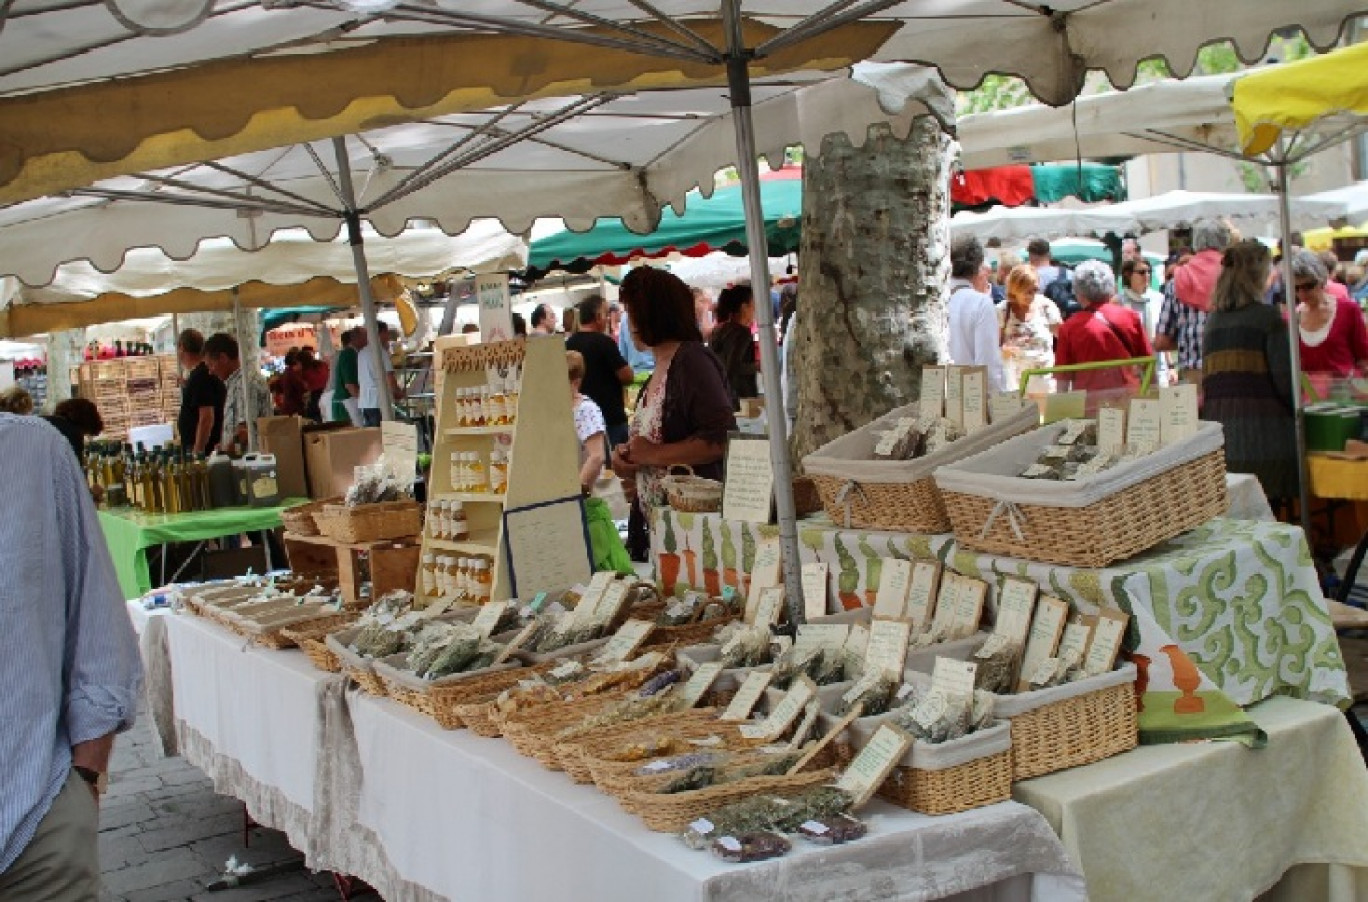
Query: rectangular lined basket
x=1090 y=522
x=859 y=492
x=953 y=776
x=369 y=522
x=1076 y=723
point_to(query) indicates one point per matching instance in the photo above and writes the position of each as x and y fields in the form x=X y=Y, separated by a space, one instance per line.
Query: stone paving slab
x=165 y=836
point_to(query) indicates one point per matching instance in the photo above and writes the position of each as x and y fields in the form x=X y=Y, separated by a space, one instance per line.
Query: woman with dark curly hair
x=683 y=413
x=77 y=419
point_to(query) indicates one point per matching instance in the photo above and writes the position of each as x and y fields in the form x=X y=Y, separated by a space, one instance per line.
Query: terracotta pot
x=712 y=583
x=669 y=572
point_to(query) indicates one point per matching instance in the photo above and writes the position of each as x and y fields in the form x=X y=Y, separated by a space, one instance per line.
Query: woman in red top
x=1101 y=331
x=1334 y=339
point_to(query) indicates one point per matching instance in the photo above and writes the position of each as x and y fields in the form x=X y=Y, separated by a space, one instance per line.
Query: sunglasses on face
x=1307 y=286
x=1142 y=272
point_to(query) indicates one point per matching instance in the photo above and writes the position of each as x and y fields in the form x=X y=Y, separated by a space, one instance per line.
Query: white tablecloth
x=1217 y=820
x=1247 y=498
x=459 y=815
x=252 y=719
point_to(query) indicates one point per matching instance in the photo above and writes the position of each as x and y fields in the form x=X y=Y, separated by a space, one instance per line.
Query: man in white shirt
x=974 y=335
x=370 y=385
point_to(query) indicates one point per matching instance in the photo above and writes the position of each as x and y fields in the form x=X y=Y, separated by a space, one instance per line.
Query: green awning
x=1089 y=182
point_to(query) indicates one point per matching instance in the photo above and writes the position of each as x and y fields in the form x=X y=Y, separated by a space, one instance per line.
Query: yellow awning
x=61 y=139
x=33 y=319
x=1324 y=239
x=1297 y=95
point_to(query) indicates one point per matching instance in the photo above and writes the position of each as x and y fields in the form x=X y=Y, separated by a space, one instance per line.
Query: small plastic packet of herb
x=746 y=847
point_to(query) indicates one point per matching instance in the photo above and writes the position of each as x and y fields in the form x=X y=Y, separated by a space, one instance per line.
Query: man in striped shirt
x=69 y=669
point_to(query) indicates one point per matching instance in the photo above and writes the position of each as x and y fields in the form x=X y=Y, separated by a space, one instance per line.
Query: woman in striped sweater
x=1247 y=373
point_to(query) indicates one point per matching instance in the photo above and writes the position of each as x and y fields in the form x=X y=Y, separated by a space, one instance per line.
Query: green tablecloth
x=129 y=534
x=1224 y=616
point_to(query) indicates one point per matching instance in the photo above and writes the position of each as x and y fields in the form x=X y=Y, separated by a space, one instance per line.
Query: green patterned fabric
x=1222 y=617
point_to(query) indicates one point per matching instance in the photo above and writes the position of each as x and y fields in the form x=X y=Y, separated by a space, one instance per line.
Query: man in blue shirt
x=642 y=362
x=68 y=664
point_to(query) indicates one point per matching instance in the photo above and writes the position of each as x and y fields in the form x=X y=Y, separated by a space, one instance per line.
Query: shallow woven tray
x=1075 y=731
x=983 y=781
x=532 y=731
x=1114 y=529
x=573 y=755
x=370 y=522
x=359 y=669
x=283 y=637
x=444 y=703
x=300 y=520
x=672 y=813
x=686 y=634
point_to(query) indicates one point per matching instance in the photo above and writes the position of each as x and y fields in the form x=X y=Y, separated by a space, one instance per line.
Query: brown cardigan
x=697 y=404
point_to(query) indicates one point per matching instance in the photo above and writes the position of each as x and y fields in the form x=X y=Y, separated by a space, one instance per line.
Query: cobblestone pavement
x=165 y=836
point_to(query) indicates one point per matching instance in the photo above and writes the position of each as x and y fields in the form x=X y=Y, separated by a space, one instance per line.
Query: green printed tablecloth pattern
x=129 y=534
x=1222 y=617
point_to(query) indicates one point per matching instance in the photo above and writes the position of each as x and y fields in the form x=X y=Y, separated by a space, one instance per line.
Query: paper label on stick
x=805 y=725
x=895 y=577
x=1073 y=645
x=609 y=605
x=699 y=683
x=921 y=594
x=489 y=617
x=974 y=411
x=1144 y=425
x=954 y=679
x=586 y=610
x=946 y=598
x=437 y=608
x=887 y=650
x=1046 y=627
x=770 y=606
x=954 y=395
x=802 y=691
x=1178 y=412
x=1016 y=604
x=516 y=642
x=874 y=762
x=1107 y=635
x=858 y=641
x=815 y=590
x=747 y=695
x=822 y=635
x=1111 y=430
x=932 y=403
x=625 y=641
x=967 y=610
x=764 y=573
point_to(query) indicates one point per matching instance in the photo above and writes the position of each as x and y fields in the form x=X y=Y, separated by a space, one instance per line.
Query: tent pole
x=1293 y=348
x=242 y=383
x=363 y=285
x=738 y=85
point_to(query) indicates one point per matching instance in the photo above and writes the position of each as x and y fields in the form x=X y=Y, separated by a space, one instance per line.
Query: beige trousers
x=60 y=864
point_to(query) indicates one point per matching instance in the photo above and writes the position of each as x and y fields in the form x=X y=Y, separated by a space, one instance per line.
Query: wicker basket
x=898 y=495
x=284 y=636
x=300 y=520
x=692 y=494
x=671 y=813
x=1092 y=522
x=954 y=776
x=359 y=669
x=688 y=634
x=574 y=755
x=444 y=703
x=369 y=522
x=1077 y=723
x=533 y=731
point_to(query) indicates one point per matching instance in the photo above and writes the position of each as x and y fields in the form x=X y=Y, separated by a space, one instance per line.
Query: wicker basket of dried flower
x=672 y=812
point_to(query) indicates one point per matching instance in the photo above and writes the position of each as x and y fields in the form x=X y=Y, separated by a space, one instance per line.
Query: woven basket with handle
x=692 y=494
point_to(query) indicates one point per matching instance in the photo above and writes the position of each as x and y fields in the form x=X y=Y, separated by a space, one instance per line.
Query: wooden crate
x=387 y=565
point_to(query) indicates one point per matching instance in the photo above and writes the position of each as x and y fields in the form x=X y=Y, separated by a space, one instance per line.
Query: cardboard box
x=332 y=456
x=284 y=438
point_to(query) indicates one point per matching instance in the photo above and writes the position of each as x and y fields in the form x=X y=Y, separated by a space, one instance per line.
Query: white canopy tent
x=1354 y=198
x=670 y=42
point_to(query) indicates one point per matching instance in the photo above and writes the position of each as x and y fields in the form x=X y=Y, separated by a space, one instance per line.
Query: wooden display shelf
x=508 y=429
x=387 y=564
x=482 y=542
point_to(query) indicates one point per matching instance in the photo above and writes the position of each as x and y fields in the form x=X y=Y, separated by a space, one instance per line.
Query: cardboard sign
x=1177 y=412
x=873 y=764
x=1111 y=430
x=748 y=481
x=967 y=610
x=824 y=636
x=947 y=595
x=895 y=579
x=764 y=573
x=609 y=604
x=1107 y=635
x=699 y=683
x=921 y=594
x=770 y=606
x=973 y=398
x=743 y=702
x=931 y=406
x=1144 y=426
x=815 y=582
x=1016 y=605
x=1003 y=406
x=1046 y=628
x=887 y=650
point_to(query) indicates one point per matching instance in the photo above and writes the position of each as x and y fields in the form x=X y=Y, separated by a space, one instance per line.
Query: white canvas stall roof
x=578 y=158
x=1354 y=198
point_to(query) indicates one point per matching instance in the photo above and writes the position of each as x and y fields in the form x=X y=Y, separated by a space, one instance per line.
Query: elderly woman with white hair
x=1182 y=321
x=1101 y=331
x=1334 y=339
